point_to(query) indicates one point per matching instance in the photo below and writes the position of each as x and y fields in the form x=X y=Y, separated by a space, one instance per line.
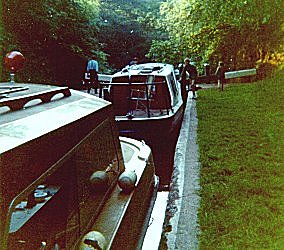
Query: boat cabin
x=67 y=181
x=144 y=90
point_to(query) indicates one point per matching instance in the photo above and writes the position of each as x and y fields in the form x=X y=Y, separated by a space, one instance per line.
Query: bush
x=265 y=70
x=269 y=65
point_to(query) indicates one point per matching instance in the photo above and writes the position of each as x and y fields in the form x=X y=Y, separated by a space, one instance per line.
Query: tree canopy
x=127 y=29
x=54 y=36
x=237 y=32
x=58 y=37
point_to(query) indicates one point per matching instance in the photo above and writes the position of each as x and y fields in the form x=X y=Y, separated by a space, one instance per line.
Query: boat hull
x=151 y=130
x=67 y=176
x=148 y=106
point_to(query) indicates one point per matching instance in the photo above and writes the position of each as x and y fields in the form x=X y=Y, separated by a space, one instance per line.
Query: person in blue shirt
x=92 y=69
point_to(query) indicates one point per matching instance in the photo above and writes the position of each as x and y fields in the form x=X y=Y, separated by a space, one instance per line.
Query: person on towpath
x=92 y=69
x=220 y=73
x=190 y=70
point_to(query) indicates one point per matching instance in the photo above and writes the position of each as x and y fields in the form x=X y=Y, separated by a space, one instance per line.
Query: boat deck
x=144 y=113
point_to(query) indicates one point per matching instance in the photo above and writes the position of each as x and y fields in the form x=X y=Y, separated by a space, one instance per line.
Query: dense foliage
x=54 y=36
x=58 y=37
x=127 y=29
x=237 y=32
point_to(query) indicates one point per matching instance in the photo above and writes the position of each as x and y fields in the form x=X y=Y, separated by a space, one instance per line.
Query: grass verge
x=241 y=143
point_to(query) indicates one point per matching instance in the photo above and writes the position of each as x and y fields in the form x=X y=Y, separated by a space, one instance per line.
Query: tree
x=127 y=29
x=237 y=32
x=56 y=37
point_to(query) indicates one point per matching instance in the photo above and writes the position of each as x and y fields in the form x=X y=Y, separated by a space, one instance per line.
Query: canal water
x=163 y=153
x=163 y=150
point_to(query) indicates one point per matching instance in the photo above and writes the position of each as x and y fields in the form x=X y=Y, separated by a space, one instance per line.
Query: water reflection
x=163 y=150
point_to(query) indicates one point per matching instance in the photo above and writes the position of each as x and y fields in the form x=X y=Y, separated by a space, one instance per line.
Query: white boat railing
x=141 y=95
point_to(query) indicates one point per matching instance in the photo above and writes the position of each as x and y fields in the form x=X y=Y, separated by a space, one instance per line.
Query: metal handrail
x=146 y=84
x=132 y=83
x=18 y=102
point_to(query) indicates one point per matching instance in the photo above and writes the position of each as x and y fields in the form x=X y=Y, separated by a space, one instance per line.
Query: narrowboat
x=147 y=101
x=67 y=180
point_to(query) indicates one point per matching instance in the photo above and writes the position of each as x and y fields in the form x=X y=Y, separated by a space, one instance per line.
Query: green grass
x=241 y=143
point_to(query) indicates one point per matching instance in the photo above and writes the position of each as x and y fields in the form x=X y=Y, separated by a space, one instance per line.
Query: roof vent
x=157 y=68
x=151 y=69
x=146 y=70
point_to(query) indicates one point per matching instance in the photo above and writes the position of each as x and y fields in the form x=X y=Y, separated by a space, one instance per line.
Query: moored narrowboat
x=147 y=101
x=67 y=180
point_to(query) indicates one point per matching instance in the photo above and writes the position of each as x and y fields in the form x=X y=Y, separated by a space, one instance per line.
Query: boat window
x=151 y=87
x=127 y=152
x=172 y=81
x=45 y=214
x=132 y=98
x=56 y=209
x=97 y=155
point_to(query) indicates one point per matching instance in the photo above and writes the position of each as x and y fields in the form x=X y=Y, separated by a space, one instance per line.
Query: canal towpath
x=181 y=228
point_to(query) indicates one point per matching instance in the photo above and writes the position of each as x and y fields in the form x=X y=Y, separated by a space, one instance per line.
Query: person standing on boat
x=134 y=61
x=191 y=70
x=92 y=69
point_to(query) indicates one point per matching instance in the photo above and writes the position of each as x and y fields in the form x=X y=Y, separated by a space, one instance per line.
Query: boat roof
x=32 y=110
x=161 y=69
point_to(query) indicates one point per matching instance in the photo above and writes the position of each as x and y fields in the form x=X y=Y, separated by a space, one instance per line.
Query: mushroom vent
x=151 y=69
